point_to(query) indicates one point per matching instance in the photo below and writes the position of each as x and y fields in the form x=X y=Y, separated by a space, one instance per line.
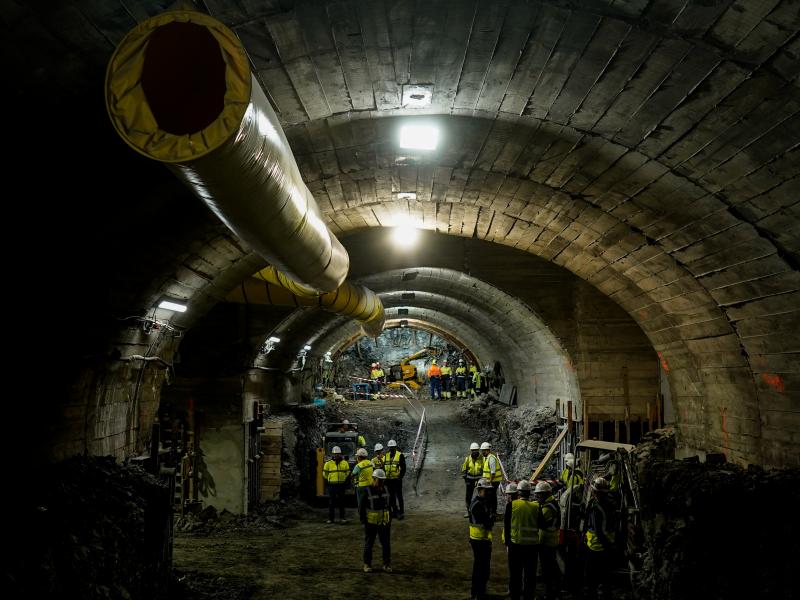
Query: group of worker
x=531 y=523
x=378 y=485
x=465 y=380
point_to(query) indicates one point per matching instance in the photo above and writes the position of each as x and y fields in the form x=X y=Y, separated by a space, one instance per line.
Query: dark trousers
x=395 y=487
x=336 y=495
x=522 y=571
x=598 y=574
x=470 y=491
x=361 y=495
x=550 y=571
x=436 y=388
x=492 y=497
x=382 y=532
x=482 y=561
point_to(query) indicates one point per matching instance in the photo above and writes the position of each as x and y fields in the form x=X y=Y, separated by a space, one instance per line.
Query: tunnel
x=245 y=233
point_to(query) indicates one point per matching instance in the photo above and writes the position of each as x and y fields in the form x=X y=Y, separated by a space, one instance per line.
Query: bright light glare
x=419 y=137
x=166 y=304
x=405 y=235
x=306 y=347
x=274 y=340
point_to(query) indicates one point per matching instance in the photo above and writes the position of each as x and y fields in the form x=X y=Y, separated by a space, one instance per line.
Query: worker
x=472 y=471
x=336 y=472
x=374 y=513
x=521 y=536
x=461 y=379
x=327 y=370
x=447 y=374
x=548 y=538
x=348 y=426
x=362 y=475
x=377 y=460
x=435 y=377
x=572 y=475
x=600 y=537
x=475 y=381
x=395 y=467
x=377 y=378
x=481 y=521
x=493 y=472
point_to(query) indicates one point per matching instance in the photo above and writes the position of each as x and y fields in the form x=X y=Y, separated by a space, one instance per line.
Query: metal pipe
x=179 y=90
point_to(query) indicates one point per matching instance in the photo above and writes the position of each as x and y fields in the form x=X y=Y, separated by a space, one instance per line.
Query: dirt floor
x=310 y=559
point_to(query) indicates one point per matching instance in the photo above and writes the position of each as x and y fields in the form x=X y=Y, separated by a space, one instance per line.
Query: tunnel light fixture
x=405 y=235
x=419 y=137
x=269 y=345
x=274 y=339
x=172 y=304
x=307 y=347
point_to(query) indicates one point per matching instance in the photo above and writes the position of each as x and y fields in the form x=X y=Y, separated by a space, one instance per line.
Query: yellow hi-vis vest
x=391 y=464
x=551 y=519
x=365 y=473
x=490 y=462
x=378 y=507
x=473 y=468
x=334 y=472
x=524 y=522
x=447 y=371
x=592 y=539
x=575 y=479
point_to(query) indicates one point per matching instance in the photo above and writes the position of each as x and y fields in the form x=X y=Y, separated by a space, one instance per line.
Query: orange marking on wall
x=568 y=365
x=774 y=381
x=723 y=411
x=664 y=363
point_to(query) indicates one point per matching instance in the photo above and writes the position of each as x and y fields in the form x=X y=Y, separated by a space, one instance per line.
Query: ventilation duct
x=179 y=90
x=270 y=286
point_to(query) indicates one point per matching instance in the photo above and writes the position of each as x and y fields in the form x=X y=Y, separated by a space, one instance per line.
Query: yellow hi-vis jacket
x=377 y=507
x=363 y=472
x=391 y=464
x=472 y=468
x=446 y=371
x=334 y=472
x=375 y=373
x=491 y=468
x=551 y=519
x=599 y=521
x=575 y=479
x=525 y=516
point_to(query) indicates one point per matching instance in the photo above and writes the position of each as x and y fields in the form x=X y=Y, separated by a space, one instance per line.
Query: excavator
x=406 y=373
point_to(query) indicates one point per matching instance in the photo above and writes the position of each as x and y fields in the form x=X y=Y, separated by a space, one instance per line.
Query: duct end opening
x=183 y=77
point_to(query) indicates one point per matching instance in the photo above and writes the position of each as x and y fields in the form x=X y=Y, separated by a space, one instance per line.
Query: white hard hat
x=543 y=486
x=524 y=486
x=486 y=446
x=484 y=483
x=391 y=444
x=474 y=446
x=361 y=452
x=336 y=450
x=378 y=446
x=461 y=360
x=345 y=422
x=379 y=474
x=511 y=488
x=601 y=485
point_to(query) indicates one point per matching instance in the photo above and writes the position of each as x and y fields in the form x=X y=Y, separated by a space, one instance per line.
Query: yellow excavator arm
x=416 y=355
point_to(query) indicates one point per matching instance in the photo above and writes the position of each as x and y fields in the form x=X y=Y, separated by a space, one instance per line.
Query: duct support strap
x=179 y=90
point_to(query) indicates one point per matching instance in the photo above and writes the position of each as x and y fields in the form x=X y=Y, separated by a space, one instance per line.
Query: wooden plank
x=556 y=443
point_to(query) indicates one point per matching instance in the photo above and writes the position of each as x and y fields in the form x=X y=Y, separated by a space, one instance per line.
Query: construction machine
x=344 y=435
x=406 y=373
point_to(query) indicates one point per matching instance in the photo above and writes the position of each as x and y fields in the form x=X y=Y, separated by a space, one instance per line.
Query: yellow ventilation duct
x=179 y=90
x=270 y=286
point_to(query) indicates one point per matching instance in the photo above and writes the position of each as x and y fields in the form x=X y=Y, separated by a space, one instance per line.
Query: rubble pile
x=265 y=516
x=93 y=529
x=194 y=585
x=523 y=435
x=714 y=530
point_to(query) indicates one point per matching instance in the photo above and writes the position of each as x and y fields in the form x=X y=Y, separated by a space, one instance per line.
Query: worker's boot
x=367 y=569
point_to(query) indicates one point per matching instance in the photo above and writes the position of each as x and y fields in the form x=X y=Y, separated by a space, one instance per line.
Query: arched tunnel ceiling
x=493 y=324
x=648 y=147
